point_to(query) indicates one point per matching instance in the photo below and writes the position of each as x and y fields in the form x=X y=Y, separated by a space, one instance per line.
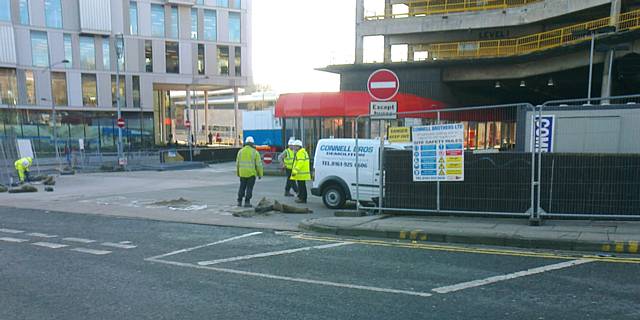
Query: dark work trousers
x=302 y=190
x=246 y=188
x=290 y=183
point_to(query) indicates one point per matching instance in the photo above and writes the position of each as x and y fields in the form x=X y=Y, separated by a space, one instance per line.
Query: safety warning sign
x=438 y=152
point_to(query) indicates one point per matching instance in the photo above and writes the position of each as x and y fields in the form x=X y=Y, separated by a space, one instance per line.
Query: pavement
x=207 y=196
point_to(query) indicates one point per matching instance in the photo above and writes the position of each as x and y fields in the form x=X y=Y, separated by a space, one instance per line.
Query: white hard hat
x=249 y=140
x=292 y=142
x=298 y=143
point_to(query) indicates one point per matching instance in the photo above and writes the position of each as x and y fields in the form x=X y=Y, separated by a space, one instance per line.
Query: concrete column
x=410 y=53
x=206 y=115
x=387 y=49
x=388 y=9
x=359 y=38
x=235 y=117
x=616 y=7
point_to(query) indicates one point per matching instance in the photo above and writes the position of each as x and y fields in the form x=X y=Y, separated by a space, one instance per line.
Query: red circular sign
x=187 y=123
x=120 y=122
x=268 y=158
x=383 y=85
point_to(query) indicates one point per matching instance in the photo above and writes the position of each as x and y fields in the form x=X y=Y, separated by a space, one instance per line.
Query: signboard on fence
x=438 y=152
x=24 y=148
x=543 y=133
x=399 y=134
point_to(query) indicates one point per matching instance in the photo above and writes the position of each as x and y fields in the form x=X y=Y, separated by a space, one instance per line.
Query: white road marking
x=291 y=279
x=206 y=245
x=80 y=240
x=490 y=280
x=273 y=253
x=118 y=245
x=15 y=240
x=41 y=235
x=49 y=245
x=91 y=251
x=10 y=231
x=383 y=85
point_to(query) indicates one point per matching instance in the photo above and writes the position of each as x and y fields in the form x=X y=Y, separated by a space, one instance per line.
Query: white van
x=335 y=172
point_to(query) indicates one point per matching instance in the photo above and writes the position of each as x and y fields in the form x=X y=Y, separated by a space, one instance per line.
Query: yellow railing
x=526 y=44
x=417 y=8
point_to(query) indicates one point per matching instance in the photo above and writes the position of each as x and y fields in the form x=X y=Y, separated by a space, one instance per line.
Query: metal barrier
x=398 y=192
x=530 y=43
x=432 y=7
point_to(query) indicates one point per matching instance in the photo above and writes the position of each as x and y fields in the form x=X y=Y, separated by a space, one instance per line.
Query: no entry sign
x=268 y=158
x=120 y=122
x=383 y=85
x=187 y=124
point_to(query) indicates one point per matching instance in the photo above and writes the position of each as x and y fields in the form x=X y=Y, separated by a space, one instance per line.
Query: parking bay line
x=291 y=279
x=80 y=240
x=49 y=245
x=3 y=230
x=91 y=251
x=273 y=253
x=204 y=245
x=14 y=240
x=490 y=280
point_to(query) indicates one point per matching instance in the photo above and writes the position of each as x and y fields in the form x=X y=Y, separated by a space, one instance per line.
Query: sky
x=292 y=37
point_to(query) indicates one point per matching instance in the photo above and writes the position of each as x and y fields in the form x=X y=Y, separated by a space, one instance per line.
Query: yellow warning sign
x=441 y=166
x=441 y=172
x=399 y=134
x=454 y=172
x=454 y=159
x=454 y=165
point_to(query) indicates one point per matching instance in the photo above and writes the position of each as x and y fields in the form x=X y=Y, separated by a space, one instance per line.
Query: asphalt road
x=73 y=266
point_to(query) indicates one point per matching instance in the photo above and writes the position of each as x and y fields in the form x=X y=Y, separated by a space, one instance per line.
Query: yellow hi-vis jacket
x=249 y=163
x=22 y=165
x=289 y=156
x=301 y=168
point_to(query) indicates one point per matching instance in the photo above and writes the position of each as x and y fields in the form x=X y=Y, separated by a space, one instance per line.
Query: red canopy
x=344 y=104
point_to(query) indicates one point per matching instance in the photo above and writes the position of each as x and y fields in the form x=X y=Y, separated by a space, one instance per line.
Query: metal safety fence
x=570 y=159
x=416 y=8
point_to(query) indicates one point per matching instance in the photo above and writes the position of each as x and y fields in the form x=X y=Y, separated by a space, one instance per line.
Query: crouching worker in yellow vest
x=301 y=171
x=22 y=166
x=286 y=158
x=248 y=167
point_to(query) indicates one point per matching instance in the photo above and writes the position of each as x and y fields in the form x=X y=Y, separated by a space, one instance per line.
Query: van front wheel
x=333 y=197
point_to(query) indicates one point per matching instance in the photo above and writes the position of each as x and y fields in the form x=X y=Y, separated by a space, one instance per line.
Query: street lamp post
x=119 y=43
x=53 y=110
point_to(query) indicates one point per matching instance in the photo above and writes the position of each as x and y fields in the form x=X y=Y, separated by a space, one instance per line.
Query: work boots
x=247 y=204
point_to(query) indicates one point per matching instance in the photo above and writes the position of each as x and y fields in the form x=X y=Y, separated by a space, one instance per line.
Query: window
x=200 y=2
x=39 y=49
x=89 y=90
x=237 y=4
x=106 y=54
x=59 y=87
x=30 y=87
x=87 y=52
x=223 y=3
x=200 y=58
x=133 y=17
x=68 y=50
x=172 y=57
x=157 y=20
x=8 y=86
x=194 y=24
x=234 y=27
x=5 y=10
x=223 y=60
x=53 y=13
x=114 y=100
x=136 y=91
x=175 y=22
x=148 y=56
x=120 y=54
x=238 y=61
x=210 y=25
x=24 y=11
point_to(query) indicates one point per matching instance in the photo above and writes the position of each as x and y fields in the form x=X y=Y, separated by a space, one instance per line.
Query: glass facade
x=223 y=3
x=238 y=61
x=123 y=100
x=89 y=90
x=68 y=50
x=106 y=54
x=59 y=87
x=39 y=49
x=237 y=4
x=172 y=57
x=200 y=63
x=148 y=56
x=223 y=60
x=210 y=21
x=174 y=31
x=157 y=20
x=53 y=13
x=234 y=27
x=30 y=87
x=133 y=18
x=136 y=91
x=8 y=86
x=24 y=12
x=194 y=24
x=5 y=10
x=87 y=52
